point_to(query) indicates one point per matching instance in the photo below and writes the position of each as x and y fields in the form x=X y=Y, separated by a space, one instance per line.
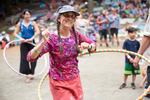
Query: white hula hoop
x=13 y=69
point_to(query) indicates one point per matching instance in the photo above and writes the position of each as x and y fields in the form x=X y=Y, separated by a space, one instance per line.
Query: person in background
x=28 y=30
x=133 y=45
x=102 y=21
x=145 y=47
x=81 y=24
x=114 y=24
x=4 y=39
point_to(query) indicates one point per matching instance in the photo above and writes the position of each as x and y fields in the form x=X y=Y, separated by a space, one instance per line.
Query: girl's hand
x=45 y=35
x=29 y=40
x=22 y=40
x=90 y=47
x=84 y=45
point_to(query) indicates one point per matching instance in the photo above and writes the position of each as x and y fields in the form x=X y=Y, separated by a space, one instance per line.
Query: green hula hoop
x=100 y=51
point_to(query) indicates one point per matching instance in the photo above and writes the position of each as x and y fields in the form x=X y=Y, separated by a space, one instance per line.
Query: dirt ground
x=101 y=76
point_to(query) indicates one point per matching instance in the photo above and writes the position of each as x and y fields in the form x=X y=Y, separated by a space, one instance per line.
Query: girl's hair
x=76 y=39
x=24 y=11
x=60 y=39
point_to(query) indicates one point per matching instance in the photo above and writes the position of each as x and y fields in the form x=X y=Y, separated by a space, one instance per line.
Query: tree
x=7 y=6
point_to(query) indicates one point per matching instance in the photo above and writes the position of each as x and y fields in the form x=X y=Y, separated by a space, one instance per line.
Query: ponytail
x=60 y=39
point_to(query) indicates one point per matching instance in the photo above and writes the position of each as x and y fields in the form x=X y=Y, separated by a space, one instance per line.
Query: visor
x=67 y=8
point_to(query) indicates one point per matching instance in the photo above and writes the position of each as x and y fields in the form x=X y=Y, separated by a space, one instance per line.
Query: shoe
x=133 y=86
x=30 y=76
x=123 y=85
x=28 y=80
x=147 y=96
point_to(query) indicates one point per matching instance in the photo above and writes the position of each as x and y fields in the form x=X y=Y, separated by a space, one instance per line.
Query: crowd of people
x=106 y=25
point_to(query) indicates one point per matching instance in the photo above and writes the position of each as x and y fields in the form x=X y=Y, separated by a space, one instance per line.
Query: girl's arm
x=36 y=51
x=40 y=49
x=86 y=43
x=36 y=28
x=17 y=30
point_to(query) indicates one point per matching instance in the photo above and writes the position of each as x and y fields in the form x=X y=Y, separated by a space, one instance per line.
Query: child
x=133 y=45
x=63 y=49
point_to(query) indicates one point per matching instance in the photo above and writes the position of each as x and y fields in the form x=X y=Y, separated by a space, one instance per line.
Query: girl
x=28 y=30
x=63 y=47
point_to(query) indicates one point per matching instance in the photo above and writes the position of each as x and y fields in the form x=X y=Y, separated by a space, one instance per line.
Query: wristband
x=37 y=51
x=128 y=57
x=90 y=47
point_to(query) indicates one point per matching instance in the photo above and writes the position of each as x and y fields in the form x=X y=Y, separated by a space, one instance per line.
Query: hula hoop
x=100 y=51
x=12 y=68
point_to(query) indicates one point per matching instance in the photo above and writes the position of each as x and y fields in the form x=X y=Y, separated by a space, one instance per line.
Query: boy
x=133 y=45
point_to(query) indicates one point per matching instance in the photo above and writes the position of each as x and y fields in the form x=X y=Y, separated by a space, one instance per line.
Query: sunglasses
x=69 y=15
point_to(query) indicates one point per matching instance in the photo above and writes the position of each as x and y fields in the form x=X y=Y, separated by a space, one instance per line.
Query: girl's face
x=27 y=15
x=67 y=19
x=132 y=35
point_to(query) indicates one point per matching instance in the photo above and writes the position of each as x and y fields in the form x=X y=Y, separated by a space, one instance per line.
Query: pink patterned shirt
x=63 y=66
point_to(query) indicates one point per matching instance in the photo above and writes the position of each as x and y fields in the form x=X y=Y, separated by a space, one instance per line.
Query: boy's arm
x=129 y=57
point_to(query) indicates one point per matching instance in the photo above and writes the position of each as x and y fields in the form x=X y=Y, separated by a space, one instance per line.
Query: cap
x=67 y=8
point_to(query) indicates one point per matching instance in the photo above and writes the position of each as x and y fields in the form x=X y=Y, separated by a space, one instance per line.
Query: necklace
x=66 y=36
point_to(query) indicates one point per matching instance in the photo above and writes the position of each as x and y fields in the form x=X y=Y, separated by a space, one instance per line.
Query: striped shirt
x=114 y=21
x=104 y=24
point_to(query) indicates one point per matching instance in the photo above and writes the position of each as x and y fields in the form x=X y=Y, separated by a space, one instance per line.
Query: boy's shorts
x=131 y=70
